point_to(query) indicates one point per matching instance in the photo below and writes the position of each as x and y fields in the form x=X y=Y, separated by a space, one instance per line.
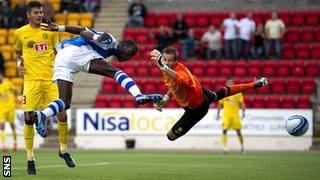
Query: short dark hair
x=127 y=49
x=171 y=50
x=34 y=4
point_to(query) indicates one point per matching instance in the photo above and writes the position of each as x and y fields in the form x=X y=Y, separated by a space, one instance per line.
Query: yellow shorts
x=38 y=94
x=231 y=123
x=7 y=115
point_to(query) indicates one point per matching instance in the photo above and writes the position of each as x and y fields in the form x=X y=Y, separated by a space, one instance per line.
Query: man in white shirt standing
x=247 y=27
x=231 y=33
x=214 y=39
x=275 y=29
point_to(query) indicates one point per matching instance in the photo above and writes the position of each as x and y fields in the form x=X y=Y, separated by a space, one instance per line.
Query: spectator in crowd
x=213 y=38
x=231 y=26
x=180 y=28
x=92 y=6
x=48 y=9
x=164 y=38
x=5 y=14
x=1 y=64
x=65 y=5
x=189 y=45
x=246 y=27
x=77 y=6
x=137 y=12
x=19 y=15
x=275 y=29
x=257 y=49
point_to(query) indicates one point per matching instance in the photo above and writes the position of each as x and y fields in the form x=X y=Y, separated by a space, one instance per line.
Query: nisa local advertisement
x=151 y=121
x=115 y=121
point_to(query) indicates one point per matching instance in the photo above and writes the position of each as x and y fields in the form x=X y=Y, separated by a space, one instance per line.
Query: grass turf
x=171 y=165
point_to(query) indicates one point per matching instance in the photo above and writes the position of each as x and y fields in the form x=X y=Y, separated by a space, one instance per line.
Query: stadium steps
x=112 y=18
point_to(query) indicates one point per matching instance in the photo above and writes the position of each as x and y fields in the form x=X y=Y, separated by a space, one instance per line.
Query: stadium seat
x=73 y=19
x=216 y=18
x=108 y=86
x=277 y=85
x=308 y=86
x=202 y=20
x=297 y=68
x=268 y=69
x=239 y=69
x=60 y=18
x=149 y=85
x=285 y=16
x=172 y=103
x=3 y=36
x=142 y=39
x=303 y=102
x=129 y=102
x=288 y=51
x=7 y=52
x=315 y=51
x=225 y=68
x=273 y=102
x=150 y=20
x=302 y=51
x=10 y=35
x=163 y=19
x=254 y=68
x=288 y=102
x=293 y=85
x=219 y=83
x=212 y=68
x=258 y=102
x=312 y=17
x=298 y=18
x=313 y=68
x=207 y=82
x=86 y=19
x=307 y=35
x=10 y=69
x=115 y=101
x=56 y=5
x=190 y=18
x=101 y=101
x=317 y=34
x=293 y=35
x=283 y=68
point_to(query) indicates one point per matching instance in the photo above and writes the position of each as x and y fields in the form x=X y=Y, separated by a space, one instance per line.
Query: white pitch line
x=54 y=166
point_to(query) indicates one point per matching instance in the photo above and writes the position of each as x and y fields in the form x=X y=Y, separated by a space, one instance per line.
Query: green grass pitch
x=149 y=165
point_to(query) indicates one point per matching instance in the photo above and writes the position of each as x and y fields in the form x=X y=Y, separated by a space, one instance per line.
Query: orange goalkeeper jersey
x=185 y=87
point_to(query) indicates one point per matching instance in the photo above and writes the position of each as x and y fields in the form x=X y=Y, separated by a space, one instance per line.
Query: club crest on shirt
x=30 y=44
x=45 y=36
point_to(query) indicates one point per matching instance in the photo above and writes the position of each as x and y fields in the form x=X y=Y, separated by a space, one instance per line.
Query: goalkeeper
x=189 y=93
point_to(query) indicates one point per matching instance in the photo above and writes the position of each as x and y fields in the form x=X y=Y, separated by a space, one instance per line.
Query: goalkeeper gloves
x=159 y=105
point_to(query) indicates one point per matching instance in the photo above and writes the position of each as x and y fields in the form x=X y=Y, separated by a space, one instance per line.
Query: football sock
x=126 y=82
x=4 y=138
x=53 y=108
x=233 y=89
x=224 y=141
x=14 y=134
x=63 y=135
x=241 y=140
x=28 y=132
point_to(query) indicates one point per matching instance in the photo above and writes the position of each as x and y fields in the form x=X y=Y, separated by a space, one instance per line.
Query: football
x=297 y=125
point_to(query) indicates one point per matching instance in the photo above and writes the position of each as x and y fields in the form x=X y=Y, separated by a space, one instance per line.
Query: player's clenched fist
x=154 y=54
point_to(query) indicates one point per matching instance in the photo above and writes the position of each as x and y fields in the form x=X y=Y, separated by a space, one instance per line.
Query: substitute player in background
x=35 y=56
x=7 y=111
x=189 y=93
x=231 y=117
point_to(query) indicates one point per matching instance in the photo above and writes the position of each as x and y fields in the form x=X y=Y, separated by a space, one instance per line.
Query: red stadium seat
x=312 y=18
x=283 y=68
x=101 y=101
x=303 y=102
x=293 y=86
x=190 y=18
x=288 y=102
x=315 y=51
x=212 y=68
x=298 y=18
x=258 y=102
x=108 y=86
x=269 y=68
x=172 y=103
x=208 y=83
x=288 y=51
x=202 y=19
x=297 y=68
x=313 y=68
x=240 y=69
x=277 y=85
x=226 y=68
x=254 y=68
x=273 y=102
x=302 y=51
x=285 y=16
x=307 y=35
x=219 y=83
x=317 y=34
x=128 y=102
x=115 y=101
x=308 y=86
x=293 y=35
x=150 y=20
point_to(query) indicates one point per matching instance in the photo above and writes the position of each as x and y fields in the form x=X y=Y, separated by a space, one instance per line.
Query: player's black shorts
x=193 y=116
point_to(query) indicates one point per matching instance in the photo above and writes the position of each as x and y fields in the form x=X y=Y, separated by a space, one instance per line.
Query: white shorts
x=72 y=59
